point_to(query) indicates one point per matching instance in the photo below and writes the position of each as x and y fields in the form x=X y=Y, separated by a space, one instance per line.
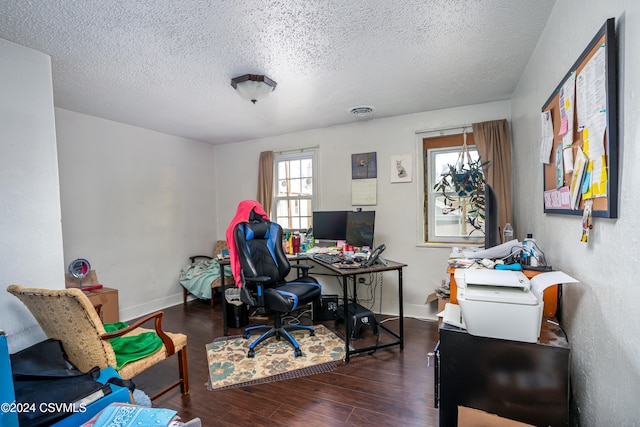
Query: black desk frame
x=345 y=274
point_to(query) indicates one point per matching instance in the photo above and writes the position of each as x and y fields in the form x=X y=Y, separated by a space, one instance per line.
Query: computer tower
x=325 y=308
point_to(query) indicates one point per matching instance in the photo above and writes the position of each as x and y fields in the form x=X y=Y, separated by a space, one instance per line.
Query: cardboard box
x=469 y=417
x=107 y=298
x=441 y=303
x=90 y=280
x=431 y=298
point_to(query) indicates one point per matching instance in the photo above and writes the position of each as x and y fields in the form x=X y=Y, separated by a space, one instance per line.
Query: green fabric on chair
x=130 y=349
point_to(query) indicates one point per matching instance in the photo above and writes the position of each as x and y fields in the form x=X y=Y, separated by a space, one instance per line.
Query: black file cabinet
x=521 y=381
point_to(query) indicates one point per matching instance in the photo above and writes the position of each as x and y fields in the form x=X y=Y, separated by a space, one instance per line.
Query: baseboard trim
x=159 y=304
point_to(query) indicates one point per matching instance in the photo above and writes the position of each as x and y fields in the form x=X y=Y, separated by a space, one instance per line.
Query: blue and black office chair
x=264 y=267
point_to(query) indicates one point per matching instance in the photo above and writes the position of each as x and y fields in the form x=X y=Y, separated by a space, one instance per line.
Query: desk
x=223 y=285
x=345 y=273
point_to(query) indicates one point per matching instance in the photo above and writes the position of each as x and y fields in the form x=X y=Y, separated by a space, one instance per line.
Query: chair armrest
x=254 y=298
x=166 y=340
x=193 y=258
x=304 y=267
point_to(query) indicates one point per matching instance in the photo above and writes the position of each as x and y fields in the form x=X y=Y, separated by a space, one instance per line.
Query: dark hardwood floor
x=387 y=388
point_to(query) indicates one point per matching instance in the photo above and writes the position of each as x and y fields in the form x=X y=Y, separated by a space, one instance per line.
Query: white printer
x=499 y=304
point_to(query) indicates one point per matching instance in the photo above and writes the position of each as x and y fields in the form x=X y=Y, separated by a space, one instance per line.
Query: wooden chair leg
x=184 y=371
x=184 y=295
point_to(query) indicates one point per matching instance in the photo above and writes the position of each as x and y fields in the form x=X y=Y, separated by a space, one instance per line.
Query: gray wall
x=136 y=203
x=602 y=314
x=30 y=231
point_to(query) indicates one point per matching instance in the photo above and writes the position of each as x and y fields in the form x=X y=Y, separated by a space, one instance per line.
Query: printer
x=499 y=304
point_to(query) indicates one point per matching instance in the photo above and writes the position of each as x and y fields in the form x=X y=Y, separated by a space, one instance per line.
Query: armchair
x=67 y=315
x=263 y=270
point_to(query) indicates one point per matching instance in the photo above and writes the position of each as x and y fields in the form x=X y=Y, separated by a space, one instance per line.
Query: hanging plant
x=465 y=179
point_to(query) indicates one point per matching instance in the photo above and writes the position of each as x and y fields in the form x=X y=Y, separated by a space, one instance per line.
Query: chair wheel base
x=251 y=353
x=297 y=352
x=312 y=333
x=246 y=335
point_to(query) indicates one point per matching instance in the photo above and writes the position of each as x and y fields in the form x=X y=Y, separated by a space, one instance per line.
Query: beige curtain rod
x=297 y=150
x=461 y=127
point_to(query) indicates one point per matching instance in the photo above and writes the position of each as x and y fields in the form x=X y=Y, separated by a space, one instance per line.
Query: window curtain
x=493 y=144
x=265 y=181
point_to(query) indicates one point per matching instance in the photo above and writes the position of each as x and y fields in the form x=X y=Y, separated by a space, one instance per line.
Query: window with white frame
x=441 y=223
x=294 y=189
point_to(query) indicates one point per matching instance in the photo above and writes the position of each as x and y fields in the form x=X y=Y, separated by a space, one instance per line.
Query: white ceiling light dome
x=253 y=87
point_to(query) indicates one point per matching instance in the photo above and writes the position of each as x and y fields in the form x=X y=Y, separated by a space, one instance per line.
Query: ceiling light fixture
x=253 y=87
x=362 y=110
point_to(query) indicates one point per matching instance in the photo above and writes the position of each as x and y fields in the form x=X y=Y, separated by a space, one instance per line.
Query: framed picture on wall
x=364 y=166
x=401 y=168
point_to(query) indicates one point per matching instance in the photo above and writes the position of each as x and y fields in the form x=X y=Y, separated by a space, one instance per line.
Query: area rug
x=274 y=360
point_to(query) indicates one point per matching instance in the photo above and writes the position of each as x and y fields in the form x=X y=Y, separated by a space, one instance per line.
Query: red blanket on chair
x=242 y=215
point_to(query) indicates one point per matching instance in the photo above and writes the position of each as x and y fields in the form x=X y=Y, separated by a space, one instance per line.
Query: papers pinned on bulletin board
x=586 y=221
x=567 y=94
x=583 y=112
x=547 y=137
x=559 y=167
x=576 y=178
x=557 y=199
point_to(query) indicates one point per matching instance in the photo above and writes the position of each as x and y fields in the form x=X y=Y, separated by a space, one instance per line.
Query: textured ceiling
x=167 y=64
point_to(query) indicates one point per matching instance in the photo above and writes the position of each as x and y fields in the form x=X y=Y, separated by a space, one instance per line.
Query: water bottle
x=528 y=250
x=310 y=239
x=507 y=233
x=295 y=243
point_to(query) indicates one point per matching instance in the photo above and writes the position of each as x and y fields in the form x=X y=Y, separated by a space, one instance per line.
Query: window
x=294 y=197
x=442 y=225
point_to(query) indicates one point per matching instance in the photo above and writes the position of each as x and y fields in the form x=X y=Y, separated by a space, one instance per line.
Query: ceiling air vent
x=362 y=110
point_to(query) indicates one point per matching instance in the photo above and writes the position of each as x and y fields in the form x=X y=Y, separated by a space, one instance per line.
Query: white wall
x=31 y=235
x=398 y=204
x=601 y=314
x=136 y=203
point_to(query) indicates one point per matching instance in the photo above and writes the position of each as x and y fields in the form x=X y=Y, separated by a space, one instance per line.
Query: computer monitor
x=360 y=226
x=491 y=228
x=330 y=225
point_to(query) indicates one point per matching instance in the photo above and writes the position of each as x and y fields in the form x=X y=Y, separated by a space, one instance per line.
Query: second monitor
x=360 y=228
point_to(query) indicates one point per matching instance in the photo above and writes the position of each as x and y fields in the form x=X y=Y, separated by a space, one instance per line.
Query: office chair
x=263 y=269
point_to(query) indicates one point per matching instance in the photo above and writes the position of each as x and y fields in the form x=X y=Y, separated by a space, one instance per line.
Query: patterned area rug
x=230 y=367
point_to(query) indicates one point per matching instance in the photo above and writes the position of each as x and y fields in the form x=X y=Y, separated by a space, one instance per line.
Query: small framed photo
x=401 y=168
x=364 y=165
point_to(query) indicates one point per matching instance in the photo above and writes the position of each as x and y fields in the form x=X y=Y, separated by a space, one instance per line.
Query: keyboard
x=327 y=258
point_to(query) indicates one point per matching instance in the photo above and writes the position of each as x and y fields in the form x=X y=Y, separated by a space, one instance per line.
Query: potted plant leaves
x=462 y=187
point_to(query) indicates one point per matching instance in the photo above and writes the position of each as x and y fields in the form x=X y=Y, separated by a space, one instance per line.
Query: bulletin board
x=580 y=135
